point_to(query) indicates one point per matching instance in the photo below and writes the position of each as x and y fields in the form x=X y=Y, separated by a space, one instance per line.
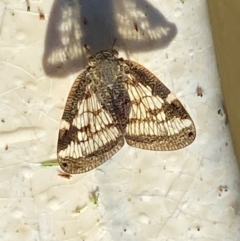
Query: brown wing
x=87 y=135
x=157 y=120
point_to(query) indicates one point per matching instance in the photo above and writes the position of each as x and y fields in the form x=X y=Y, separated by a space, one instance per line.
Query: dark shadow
x=136 y=24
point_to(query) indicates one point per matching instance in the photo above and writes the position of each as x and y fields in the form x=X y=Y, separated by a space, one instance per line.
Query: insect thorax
x=105 y=69
x=106 y=74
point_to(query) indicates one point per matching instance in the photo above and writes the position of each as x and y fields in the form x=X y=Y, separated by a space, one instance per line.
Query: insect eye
x=115 y=52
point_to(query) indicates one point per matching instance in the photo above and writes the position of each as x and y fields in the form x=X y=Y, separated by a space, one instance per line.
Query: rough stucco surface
x=189 y=194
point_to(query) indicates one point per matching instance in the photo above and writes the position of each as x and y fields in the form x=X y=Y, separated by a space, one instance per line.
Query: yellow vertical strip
x=225 y=23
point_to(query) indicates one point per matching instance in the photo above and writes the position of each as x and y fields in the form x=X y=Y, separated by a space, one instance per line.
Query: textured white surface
x=190 y=194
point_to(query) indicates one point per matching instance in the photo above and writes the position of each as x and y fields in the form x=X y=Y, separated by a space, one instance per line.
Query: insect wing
x=87 y=135
x=157 y=120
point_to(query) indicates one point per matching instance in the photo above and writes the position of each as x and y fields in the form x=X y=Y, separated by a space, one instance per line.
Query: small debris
x=41 y=14
x=199 y=91
x=64 y=175
x=28 y=5
x=93 y=196
x=222 y=189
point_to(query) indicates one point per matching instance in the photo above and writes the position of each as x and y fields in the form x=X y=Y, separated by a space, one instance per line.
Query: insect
x=115 y=100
